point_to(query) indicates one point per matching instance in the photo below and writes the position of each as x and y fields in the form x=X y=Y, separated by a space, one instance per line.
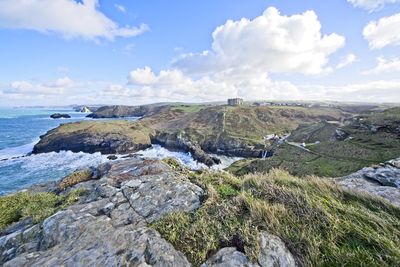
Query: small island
x=60 y=116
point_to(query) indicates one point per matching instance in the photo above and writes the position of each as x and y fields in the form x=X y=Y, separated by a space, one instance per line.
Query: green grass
x=37 y=206
x=321 y=224
x=188 y=108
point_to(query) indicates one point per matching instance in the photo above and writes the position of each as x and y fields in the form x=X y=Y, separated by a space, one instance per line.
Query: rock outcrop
x=178 y=142
x=112 y=138
x=125 y=111
x=60 y=116
x=382 y=180
x=109 y=225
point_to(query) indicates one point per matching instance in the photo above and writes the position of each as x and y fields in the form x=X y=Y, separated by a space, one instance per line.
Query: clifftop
x=149 y=212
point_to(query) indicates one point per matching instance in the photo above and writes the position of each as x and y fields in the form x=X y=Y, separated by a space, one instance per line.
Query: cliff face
x=116 y=137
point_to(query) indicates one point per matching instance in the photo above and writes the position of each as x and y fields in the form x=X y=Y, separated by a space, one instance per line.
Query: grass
x=37 y=206
x=321 y=224
x=187 y=108
x=300 y=163
x=135 y=131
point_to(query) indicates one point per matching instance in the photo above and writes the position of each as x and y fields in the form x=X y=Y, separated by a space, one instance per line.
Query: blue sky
x=132 y=52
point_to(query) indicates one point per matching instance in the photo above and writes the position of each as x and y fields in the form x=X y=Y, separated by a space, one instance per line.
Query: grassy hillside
x=321 y=224
x=370 y=140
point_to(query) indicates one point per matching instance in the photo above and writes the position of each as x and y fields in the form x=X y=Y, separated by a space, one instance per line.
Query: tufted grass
x=37 y=206
x=321 y=224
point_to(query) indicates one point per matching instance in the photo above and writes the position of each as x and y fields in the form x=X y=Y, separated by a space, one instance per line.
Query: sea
x=20 y=130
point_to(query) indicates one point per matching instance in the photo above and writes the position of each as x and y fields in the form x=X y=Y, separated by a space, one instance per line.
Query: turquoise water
x=20 y=129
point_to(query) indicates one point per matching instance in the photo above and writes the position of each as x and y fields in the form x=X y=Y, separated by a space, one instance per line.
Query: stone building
x=235 y=101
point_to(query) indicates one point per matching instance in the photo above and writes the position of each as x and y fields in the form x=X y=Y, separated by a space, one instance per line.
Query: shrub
x=75 y=178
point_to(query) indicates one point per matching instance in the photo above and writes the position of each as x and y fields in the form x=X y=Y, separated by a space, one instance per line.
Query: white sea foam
x=19 y=151
x=186 y=159
x=19 y=173
x=158 y=152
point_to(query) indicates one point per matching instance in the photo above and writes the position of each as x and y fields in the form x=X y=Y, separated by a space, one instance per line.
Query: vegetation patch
x=75 y=178
x=37 y=206
x=321 y=224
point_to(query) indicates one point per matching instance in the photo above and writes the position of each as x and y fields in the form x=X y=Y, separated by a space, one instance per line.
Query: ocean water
x=20 y=130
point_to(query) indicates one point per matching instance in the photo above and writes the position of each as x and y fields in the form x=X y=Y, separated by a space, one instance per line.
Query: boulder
x=273 y=252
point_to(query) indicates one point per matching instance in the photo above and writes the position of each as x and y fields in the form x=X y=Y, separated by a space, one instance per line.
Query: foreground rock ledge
x=109 y=225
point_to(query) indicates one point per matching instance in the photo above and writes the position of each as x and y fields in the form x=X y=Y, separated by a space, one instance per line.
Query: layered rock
x=382 y=180
x=109 y=226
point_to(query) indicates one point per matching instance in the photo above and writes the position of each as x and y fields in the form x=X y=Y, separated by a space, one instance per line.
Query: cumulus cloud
x=271 y=42
x=385 y=65
x=69 y=18
x=384 y=32
x=243 y=55
x=173 y=84
x=346 y=60
x=372 y=5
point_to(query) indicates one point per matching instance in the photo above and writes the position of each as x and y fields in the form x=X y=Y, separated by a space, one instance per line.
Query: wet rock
x=112 y=157
x=179 y=142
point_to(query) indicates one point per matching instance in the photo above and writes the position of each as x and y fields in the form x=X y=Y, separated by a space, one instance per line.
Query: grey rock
x=382 y=181
x=110 y=227
x=228 y=257
x=273 y=252
x=157 y=195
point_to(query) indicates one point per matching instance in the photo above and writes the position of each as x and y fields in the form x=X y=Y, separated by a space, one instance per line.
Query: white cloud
x=346 y=60
x=120 y=8
x=28 y=88
x=374 y=91
x=271 y=42
x=385 y=65
x=372 y=5
x=175 y=85
x=384 y=32
x=66 y=17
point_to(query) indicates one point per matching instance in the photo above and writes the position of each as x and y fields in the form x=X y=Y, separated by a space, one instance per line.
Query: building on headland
x=235 y=102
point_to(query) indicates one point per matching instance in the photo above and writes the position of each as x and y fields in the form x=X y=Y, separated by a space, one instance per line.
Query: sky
x=62 y=52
